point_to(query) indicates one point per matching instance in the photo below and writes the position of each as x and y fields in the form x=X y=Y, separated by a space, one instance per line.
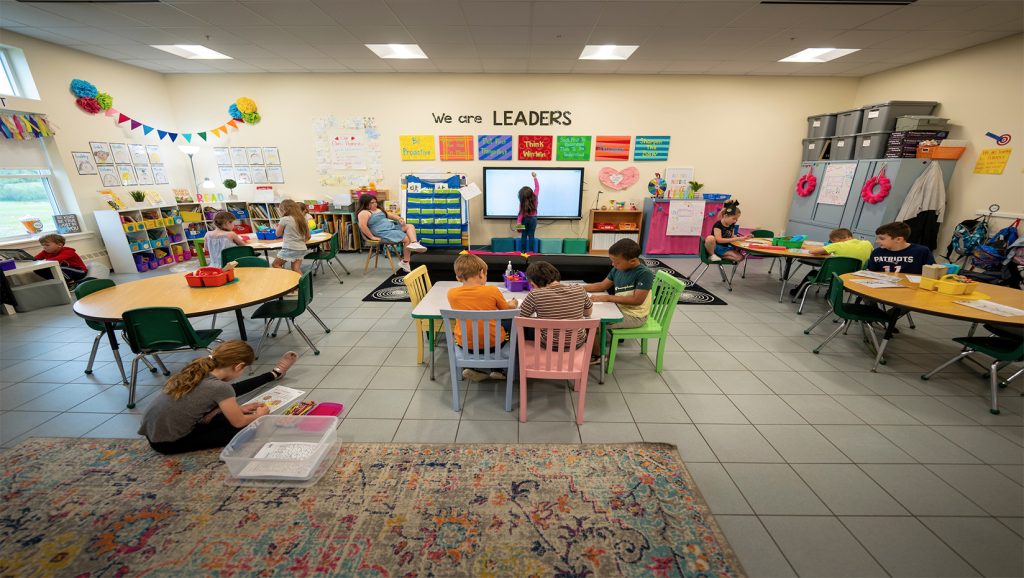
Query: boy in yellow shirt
x=841 y=244
x=476 y=295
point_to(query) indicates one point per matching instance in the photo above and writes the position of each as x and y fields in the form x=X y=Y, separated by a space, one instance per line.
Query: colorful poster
x=243 y=176
x=139 y=155
x=651 y=148
x=275 y=174
x=84 y=163
x=154 y=155
x=456 y=147
x=144 y=174
x=127 y=174
x=348 y=152
x=120 y=152
x=417 y=147
x=678 y=181
x=108 y=176
x=225 y=173
x=573 y=148
x=494 y=147
x=992 y=161
x=535 y=147
x=259 y=175
x=836 y=183
x=612 y=148
x=101 y=152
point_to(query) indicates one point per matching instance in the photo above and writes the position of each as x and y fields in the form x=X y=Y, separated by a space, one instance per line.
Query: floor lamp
x=191 y=150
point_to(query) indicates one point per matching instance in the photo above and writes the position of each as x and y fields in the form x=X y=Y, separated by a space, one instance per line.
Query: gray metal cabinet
x=808 y=217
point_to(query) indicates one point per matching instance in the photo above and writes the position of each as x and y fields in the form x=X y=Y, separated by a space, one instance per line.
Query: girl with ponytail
x=198 y=407
x=724 y=233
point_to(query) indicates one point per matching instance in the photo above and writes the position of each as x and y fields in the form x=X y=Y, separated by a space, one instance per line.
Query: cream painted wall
x=980 y=89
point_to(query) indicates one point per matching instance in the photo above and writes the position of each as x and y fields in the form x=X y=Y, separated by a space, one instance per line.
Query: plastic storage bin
x=848 y=122
x=503 y=244
x=921 y=122
x=574 y=246
x=871 y=145
x=843 y=147
x=513 y=285
x=821 y=125
x=549 y=245
x=814 y=148
x=282 y=447
x=787 y=242
x=882 y=116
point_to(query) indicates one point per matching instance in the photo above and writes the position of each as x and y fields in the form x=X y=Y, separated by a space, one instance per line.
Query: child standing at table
x=725 y=232
x=894 y=254
x=198 y=407
x=221 y=237
x=295 y=232
x=528 y=200
x=476 y=295
x=550 y=299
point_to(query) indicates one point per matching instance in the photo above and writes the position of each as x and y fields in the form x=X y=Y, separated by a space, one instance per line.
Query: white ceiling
x=739 y=37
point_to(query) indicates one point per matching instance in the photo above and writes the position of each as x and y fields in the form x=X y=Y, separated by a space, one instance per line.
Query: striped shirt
x=558 y=301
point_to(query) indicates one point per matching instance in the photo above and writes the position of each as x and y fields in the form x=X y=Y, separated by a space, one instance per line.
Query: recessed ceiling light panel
x=402 y=51
x=819 y=54
x=192 y=51
x=607 y=52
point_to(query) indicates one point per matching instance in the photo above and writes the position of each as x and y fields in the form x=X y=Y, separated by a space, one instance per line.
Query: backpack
x=992 y=254
x=967 y=235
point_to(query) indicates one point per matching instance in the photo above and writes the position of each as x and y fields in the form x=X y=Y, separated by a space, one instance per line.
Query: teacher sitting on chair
x=378 y=225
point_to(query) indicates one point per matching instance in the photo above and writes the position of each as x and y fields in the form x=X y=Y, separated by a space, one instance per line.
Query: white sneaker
x=497 y=375
x=416 y=247
x=715 y=258
x=474 y=375
x=404 y=266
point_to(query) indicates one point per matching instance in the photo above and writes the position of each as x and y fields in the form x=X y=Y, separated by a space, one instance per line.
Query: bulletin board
x=433 y=203
x=347 y=151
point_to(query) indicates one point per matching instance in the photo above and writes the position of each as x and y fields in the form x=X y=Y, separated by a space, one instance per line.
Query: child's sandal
x=284 y=364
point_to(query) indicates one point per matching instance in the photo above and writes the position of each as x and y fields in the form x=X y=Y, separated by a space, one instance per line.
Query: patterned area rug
x=114 y=507
x=391 y=291
x=693 y=294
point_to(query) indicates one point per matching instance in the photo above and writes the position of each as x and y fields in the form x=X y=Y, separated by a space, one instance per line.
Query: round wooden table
x=255 y=285
x=908 y=297
x=759 y=248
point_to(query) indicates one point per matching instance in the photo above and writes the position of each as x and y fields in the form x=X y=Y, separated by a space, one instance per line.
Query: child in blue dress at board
x=724 y=233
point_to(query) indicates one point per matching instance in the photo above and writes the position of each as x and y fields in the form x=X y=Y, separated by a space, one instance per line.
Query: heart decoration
x=619 y=180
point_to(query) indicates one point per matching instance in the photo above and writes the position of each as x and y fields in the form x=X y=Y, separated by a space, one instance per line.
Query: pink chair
x=558 y=358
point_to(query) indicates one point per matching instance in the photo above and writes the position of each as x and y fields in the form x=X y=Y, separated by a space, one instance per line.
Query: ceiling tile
x=237 y=66
x=644 y=66
x=294 y=51
x=223 y=13
x=262 y=34
x=863 y=38
x=555 y=51
x=433 y=13
x=918 y=39
x=733 y=37
x=413 y=66
x=737 y=67
x=504 y=51
x=368 y=64
x=690 y=66
x=772 y=16
x=204 y=35
x=449 y=50
x=705 y=15
x=781 y=68
x=801 y=39
x=359 y=12
x=244 y=51
x=576 y=14
x=18 y=13
x=440 y=34
x=333 y=34
x=458 y=64
x=577 y=36
x=162 y=15
x=275 y=64
x=90 y=35
x=491 y=13
x=841 y=16
x=619 y=35
x=501 y=34
x=634 y=13
x=381 y=34
x=88 y=15
x=147 y=35
x=917 y=16
x=290 y=13
x=345 y=51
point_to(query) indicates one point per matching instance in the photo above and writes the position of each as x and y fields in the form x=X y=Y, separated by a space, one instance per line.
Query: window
x=16 y=78
x=7 y=82
x=26 y=187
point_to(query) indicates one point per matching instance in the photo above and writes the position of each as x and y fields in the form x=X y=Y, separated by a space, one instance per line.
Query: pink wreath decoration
x=884 y=185
x=806 y=184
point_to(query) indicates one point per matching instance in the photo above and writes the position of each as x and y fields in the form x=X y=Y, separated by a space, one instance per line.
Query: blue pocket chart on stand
x=434 y=205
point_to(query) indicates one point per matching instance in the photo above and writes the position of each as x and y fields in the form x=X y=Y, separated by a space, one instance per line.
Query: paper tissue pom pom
x=88 y=104
x=234 y=112
x=105 y=100
x=246 y=104
x=251 y=117
x=83 y=88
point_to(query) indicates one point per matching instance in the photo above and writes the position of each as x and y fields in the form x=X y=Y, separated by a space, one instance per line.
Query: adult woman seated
x=378 y=225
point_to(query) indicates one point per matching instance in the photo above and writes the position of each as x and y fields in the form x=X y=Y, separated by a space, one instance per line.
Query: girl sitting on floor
x=198 y=408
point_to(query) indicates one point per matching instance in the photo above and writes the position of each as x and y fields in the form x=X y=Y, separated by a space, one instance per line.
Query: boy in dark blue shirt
x=894 y=254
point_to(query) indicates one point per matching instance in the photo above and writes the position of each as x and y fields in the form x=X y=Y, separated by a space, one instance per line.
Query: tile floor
x=813 y=465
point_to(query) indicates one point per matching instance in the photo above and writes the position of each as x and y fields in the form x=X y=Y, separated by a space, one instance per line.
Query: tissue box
x=933 y=271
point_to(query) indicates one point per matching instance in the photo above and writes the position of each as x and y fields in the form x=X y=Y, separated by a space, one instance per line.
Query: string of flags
x=91 y=100
x=19 y=126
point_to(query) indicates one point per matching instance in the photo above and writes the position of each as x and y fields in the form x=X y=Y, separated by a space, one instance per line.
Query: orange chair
x=558 y=357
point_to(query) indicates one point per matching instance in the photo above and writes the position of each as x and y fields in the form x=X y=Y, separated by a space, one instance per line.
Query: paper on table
x=289 y=460
x=469 y=191
x=875 y=283
x=992 y=307
x=914 y=278
x=877 y=275
x=277 y=397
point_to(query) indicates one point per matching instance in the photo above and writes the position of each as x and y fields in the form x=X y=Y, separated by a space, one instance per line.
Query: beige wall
x=742 y=134
x=980 y=89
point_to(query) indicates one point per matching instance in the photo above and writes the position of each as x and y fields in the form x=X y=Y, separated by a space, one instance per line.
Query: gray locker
x=832 y=215
x=803 y=207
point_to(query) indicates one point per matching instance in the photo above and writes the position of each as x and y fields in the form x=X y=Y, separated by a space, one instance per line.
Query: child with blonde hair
x=221 y=237
x=476 y=295
x=198 y=407
x=294 y=231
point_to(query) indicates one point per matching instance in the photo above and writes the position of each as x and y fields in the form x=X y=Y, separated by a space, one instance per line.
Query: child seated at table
x=841 y=244
x=724 y=232
x=221 y=237
x=629 y=282
x=198 y=407
x=476 y=295
x=56 y=249
x=550 y=299
x=894 y=254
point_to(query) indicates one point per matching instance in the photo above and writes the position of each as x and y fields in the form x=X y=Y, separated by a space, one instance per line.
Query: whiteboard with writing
x=685 y=218
x=836 y=183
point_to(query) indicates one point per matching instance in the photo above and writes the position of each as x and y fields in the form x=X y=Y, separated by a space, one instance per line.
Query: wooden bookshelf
x=627 y=226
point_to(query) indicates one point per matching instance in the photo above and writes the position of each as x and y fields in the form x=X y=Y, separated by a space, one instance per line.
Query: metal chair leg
x=134 y=379
x=874 y=339
x=771 y=266
x=342 y=263
x=160 y=362
x=213 y=323
x=259 y=344
x=733 y=276
x=318 y=320
x=276 y=327
x=803 y=298
x=832 y=336
x=697 y=278
x=149 y=365
x=958 y=357
x=309 y=341
x=1007 y=381
x=878 y=358
x=817 y=322
x=92 y=353
x=744 y=275
x=993 y=380
x=331 y=267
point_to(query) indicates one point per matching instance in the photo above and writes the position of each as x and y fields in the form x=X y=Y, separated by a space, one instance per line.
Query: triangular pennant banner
x=146 y=129
x=216 y=133
x=202 y=135
x=161 y=133
x=187 y=136
x=135 y=124
x=173 y=135
x=121 y=118
x=110 y=112
x=233 y=123
x=223 y=129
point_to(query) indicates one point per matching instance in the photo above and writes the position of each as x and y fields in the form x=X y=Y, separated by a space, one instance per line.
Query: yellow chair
x=418 y=284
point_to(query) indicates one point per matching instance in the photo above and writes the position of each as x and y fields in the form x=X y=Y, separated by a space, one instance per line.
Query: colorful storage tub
x=574 y=246
x=520 y=284
x=787 y=242
x=191 y=216
x=949 y=285
x=209 y=277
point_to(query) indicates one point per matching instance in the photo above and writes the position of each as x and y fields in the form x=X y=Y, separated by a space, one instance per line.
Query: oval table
x=255 y=285
x=759 y=248
x=908 y=297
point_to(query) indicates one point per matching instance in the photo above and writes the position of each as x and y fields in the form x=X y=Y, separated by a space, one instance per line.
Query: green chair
x=828 y=267
x=258 y=262
x=854 y=312
x=319 y=257
x=759 y=234
x=1002 y=348
x=706 y=262
x=288 y=310
x=152 y=330
x=664 y=299
x=88 y=288
x=233 y=253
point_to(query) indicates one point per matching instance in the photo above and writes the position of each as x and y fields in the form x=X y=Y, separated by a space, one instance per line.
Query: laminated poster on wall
x=238 y=156
x=677 y=180
x=243 y=176
x=84 y=163
x=159 y=175
x=120 y=152
x=254 y=155
x=221 y=155
x=225 y=173
x=275 y=174
x=101 y=152
x=992 y=161
x=144 y=175
x=259 y=175
x=127 y=175
x=271 y=156
x=108 y=176
x=153 y=151
x=348 y=152
x=685 y=218
x=138 y=154
x=836 y=183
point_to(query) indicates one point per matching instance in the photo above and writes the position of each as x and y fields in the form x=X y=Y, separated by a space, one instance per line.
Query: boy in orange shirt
x=476 y=295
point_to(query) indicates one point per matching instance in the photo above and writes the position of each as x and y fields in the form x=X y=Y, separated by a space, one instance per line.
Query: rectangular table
x=437 y=299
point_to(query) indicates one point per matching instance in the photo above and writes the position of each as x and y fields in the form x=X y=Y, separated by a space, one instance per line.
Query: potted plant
x=137 y=196
x=230 y=185
x=695 y=187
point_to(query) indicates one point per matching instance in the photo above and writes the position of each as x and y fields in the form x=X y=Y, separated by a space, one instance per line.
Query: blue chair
x=484 y=354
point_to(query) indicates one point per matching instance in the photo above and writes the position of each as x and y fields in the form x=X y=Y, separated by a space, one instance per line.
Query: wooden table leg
x=109 y=327
x=241 y=325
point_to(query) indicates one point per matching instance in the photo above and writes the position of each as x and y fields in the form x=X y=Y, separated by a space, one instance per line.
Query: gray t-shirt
x=168 y=419
x=292 y=239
